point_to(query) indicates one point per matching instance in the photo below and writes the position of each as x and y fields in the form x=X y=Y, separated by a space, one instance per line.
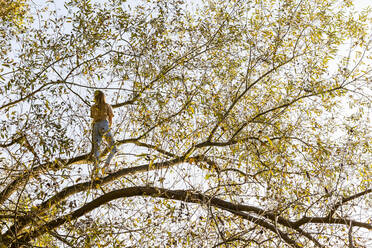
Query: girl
x=102 y=114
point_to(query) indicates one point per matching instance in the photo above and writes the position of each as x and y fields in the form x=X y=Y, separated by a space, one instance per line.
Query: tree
x=12 y=17
x=239 y=123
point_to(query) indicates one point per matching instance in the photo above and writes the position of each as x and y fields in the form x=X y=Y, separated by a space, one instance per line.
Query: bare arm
x=110 y=115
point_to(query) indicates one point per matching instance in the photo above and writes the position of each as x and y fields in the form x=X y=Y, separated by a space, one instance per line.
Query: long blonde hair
x=99 y=99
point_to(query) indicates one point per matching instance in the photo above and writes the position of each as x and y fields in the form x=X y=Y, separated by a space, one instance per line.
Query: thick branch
x=182 y=195
x=11 y=187
x=23 y=221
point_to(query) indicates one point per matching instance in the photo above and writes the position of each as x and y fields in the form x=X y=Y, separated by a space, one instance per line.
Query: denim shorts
x=101 y=130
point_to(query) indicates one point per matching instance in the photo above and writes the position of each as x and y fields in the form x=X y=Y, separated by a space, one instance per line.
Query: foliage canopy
x=239 y=123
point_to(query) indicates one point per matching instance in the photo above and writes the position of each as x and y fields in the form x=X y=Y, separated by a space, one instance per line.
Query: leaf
x=269 y=140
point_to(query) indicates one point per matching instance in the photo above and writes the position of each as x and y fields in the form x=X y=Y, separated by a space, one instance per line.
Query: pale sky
x=363 y=3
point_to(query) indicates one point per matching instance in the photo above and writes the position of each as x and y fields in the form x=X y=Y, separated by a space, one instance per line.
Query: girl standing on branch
x=102 y=114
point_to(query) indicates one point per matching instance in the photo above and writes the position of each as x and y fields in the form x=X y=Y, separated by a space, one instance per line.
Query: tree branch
x=347 y=199
x=23 y=221
x=182 y=195
x=244 y=92
x=12 y=142
x=30 y=95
